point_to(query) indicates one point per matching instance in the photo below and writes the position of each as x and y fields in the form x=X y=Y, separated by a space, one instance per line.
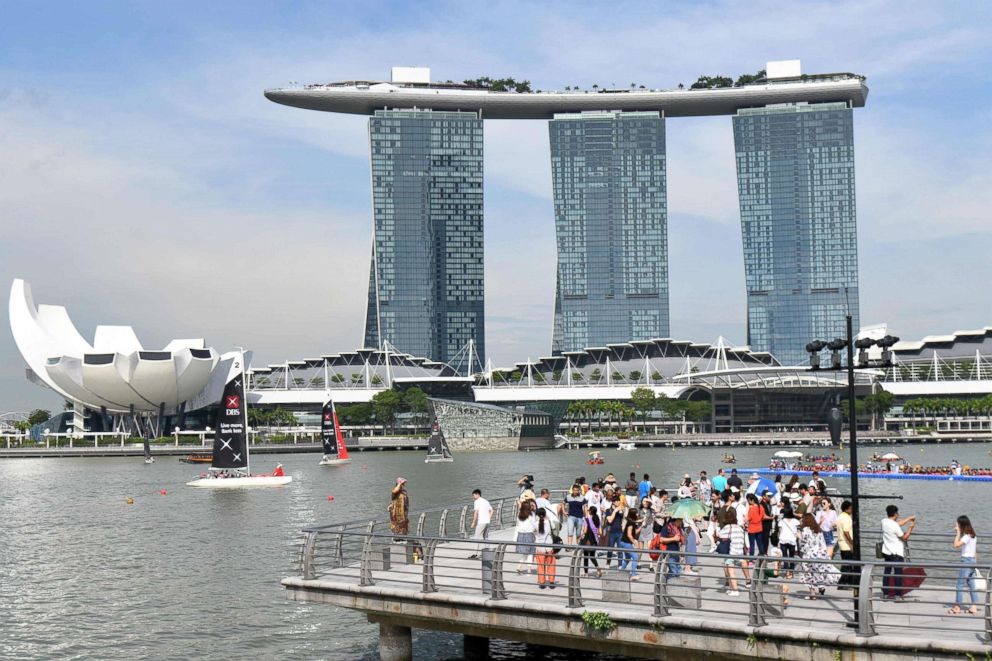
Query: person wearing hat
x=399 y=508
x=685 y=487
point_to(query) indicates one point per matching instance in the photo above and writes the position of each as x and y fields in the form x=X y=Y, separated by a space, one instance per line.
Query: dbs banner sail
x=330 y=433
x=231 y=439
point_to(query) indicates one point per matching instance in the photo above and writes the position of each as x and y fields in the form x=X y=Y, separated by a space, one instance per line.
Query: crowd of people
x=876 y=467
x=794 y=525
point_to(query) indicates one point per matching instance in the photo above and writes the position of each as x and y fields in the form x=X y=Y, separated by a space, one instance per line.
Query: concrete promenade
x=658 y=617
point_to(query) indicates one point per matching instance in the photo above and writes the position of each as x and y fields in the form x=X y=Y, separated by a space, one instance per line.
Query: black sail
x=231 y=436
x=328 y=434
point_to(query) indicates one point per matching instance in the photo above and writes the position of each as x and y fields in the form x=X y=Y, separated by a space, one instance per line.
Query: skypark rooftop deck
x=364 y=98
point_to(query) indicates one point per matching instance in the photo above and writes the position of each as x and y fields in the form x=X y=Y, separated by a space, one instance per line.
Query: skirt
x=525 y=543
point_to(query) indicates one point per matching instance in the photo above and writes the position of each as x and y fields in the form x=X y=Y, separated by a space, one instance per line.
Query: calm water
x=196 y=573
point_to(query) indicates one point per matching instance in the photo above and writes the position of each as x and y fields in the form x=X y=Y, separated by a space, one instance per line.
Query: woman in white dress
x=816 y=575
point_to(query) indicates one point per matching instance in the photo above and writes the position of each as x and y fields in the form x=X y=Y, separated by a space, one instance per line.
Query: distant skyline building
x=425 y=292
x=611 y=223
x=795 y=161
x=795 y=175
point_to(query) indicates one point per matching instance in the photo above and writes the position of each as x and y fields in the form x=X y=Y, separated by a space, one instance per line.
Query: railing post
x=499 y=512
x=755 y=599
x=428 y=583
x=988 y=607
x=443 y=524
x=660 y=589
x=306 y=558
x=420 y=524
x=461 y=520
x=499 y=590
x=866 y=615
x=339 y=549
x=365 y=577
x=574 y=576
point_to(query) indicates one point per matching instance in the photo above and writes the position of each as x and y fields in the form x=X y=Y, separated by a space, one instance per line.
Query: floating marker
x=130 y=501
x=330 y=498
x=163 y=492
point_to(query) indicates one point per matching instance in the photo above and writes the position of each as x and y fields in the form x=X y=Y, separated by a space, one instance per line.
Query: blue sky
x=142 y=172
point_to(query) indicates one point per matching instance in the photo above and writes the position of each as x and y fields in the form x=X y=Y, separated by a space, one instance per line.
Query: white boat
x=438 y=451
x=230 y=467
x=213 y=482
x=335 y=451
x=627 y=447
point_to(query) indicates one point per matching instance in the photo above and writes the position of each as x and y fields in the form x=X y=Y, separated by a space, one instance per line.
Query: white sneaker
x=733 y=593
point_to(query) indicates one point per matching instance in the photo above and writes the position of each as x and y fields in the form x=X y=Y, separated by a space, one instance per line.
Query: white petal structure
x=115 y=371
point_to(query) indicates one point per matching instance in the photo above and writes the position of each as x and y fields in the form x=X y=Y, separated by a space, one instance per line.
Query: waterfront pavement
x=700 y=618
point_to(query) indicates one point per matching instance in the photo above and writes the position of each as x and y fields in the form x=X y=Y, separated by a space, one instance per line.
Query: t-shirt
x=754 y=519
x=595 y=499
x=719 y=483
x=845 y=524
x=484 y=510
x=617 y=524
x=787 y=530
x=968 y=549
x=892 y=538
x=826 y=519
x=575 y=504
x=546 y=504
x=631 y=488
x=643 y=488
x=629 y=531
x=735 y=481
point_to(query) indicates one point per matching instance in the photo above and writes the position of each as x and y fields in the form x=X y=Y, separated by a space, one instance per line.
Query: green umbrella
x=687 y=508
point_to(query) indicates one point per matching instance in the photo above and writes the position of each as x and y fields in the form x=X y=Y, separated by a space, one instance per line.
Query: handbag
x=878 y=550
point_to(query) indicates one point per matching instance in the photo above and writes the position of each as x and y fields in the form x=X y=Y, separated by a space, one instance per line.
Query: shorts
x=573 y=526
x=828 y=537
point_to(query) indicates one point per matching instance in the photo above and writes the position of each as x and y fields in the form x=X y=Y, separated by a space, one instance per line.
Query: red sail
x=342 y=448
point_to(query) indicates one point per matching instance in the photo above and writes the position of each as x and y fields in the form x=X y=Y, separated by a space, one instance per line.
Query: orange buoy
x=330 y=498
x=163 y=492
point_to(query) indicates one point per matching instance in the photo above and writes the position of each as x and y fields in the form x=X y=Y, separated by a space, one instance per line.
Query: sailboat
x=437 y=448
x=335 y=451
x=230 y=468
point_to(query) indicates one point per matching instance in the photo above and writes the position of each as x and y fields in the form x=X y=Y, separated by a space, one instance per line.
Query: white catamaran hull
x=438 y=460
x=326 y=461
x=241 y=482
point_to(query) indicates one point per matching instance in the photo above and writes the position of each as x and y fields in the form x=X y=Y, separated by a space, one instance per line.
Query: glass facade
x=611 y=222
x=426 y=281
x=795 y=179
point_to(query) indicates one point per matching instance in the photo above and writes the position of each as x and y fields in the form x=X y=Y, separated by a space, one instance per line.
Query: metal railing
x=438 y=557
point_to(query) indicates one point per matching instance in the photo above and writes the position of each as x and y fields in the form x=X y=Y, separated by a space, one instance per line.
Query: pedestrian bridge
x=436 y=578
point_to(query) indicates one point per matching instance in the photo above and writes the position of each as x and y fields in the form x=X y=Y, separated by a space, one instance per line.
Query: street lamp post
x=814 y=348
x=853 y=426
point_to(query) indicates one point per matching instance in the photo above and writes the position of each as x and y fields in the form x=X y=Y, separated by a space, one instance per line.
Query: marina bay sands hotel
x=794 y=143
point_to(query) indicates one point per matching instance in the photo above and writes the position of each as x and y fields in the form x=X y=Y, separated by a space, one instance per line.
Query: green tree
x=355 y=414
x=337 y=378
x=644 y=401
x=22 y=426
x=385 y=406
x=376 y=380
x=596 y=375
x=635 y=376
x=38 y=416
x=415 y=401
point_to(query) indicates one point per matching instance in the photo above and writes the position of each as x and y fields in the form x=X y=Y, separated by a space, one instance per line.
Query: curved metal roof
x=365 y=99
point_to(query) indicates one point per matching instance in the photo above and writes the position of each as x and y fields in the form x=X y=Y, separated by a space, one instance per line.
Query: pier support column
x=395 y=643
x=475 y=647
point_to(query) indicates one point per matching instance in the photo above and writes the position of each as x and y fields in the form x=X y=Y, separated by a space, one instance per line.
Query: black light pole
x=853 y=424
